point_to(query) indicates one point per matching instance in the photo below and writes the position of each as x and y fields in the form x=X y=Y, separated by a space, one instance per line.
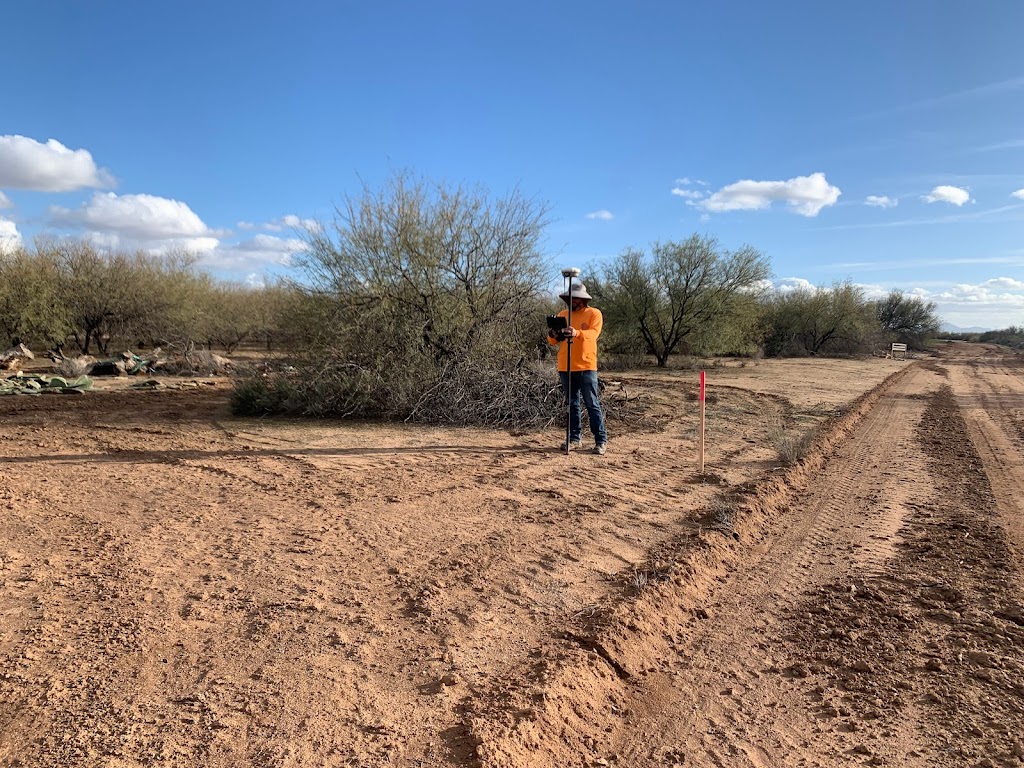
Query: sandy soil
x=180 y=587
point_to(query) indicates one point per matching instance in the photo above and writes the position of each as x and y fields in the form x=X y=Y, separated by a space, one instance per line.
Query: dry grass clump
x=791 y=445
x=648 y=574
x=721 y=514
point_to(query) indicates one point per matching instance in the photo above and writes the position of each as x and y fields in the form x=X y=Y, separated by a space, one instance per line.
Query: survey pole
x=702 y=386
x=568 y=274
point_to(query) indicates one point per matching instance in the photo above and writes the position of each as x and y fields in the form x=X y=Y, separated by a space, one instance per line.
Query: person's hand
x=571 y=332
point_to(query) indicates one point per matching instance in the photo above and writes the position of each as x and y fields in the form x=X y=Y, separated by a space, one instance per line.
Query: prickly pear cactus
x=36 y=384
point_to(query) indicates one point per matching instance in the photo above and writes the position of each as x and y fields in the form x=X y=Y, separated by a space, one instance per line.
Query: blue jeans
x=584 y=383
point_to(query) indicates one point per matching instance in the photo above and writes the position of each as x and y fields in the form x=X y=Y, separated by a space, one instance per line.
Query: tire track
x=991 y=398
x=738 y=685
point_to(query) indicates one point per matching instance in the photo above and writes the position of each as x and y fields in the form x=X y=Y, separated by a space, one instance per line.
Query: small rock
x=981 y=658
x=798 y=670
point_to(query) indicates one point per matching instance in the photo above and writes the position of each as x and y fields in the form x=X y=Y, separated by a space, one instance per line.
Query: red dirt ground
x=180 y=587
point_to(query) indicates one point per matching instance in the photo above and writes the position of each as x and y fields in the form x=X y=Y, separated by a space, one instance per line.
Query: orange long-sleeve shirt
x=588 y=322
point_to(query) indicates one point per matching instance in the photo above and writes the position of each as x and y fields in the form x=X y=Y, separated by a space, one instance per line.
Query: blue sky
x=880 y=142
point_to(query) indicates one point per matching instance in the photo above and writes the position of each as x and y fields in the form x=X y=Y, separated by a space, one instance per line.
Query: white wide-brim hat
x=579 y=291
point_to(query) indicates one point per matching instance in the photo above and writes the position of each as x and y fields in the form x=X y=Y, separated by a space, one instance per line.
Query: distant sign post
x=702 y=383
x=899 y=351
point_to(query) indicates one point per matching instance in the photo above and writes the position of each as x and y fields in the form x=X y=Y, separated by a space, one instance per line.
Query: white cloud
x=872 y=292
x=994 y=303
x=787 y=285
x=288 y=221
x=1000 y=291
x=10 y=238
x=5 y=201
x=140 y=217
x=49 y=167
x=601 y=215
x=257 y=252
x=268 y=244
x=881 y=201
x=138 y=222
x=1019 y=194
x=115 y=242
x=791 y=284
x=946 y=194
x=1004 y=283
x=689 y=194
x=293 y=221
x=806 y=195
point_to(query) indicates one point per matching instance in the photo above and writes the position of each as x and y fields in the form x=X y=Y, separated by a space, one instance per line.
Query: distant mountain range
x=950 y=328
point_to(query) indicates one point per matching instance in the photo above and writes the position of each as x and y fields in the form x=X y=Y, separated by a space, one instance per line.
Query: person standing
x=582 y=384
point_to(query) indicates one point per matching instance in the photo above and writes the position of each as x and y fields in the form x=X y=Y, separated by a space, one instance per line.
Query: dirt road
x=178 y=587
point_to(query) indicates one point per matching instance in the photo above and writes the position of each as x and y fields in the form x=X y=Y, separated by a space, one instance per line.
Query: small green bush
x=259 y=395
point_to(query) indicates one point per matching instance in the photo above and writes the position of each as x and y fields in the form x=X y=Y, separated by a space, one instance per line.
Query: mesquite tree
x=816 y=321
x=910 y=319
x=683 y=294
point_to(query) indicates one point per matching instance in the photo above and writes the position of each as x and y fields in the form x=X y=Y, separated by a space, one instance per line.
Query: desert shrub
x=30 y=307
x=256 y=394
x=1012 y=337
x=835 y=321
x=332 y=391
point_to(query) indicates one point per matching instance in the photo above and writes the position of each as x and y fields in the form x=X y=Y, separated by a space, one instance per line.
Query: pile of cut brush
x=13 y=359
